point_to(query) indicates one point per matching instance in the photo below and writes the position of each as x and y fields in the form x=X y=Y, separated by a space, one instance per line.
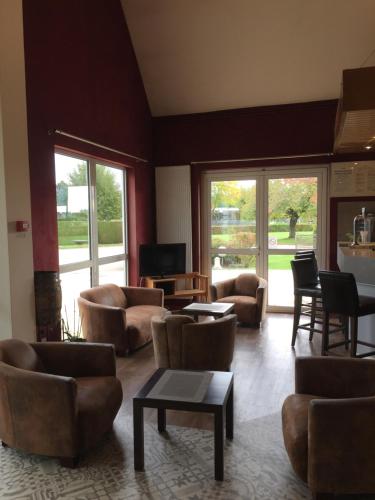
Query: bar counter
x=360 y=261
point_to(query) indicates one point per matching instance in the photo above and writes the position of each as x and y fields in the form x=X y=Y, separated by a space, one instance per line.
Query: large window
x=91 y=226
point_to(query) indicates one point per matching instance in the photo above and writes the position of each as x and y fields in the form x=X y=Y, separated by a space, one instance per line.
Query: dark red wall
x=82 y=77
x=290 y=129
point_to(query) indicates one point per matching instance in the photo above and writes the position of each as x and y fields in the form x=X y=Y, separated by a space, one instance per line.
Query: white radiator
x=173 y=207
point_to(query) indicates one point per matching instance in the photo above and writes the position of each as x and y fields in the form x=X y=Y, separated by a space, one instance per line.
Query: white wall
x=5 y=302
x=173 y=207
x=17 y=268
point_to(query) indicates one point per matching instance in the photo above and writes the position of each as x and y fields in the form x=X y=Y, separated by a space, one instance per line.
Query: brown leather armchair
x=181 y=343
x=120 y=315
x=247 y=292
x=57 y=399
x=328 y=425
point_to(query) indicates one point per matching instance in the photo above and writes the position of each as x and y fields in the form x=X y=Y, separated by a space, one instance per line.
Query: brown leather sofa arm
x=77 y=359
x=340 y=456
x=221 y=289
x=261 y=298
x=139 y=296
x=31 y=394
x=102 y=323
x=334 y=377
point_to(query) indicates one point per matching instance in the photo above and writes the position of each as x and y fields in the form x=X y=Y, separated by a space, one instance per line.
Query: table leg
x=161 y=419
x=138 y=436
x=219 y=445
x=229 y=416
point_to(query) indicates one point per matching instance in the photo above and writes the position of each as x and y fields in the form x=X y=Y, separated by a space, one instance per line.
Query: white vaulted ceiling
x=208 y=55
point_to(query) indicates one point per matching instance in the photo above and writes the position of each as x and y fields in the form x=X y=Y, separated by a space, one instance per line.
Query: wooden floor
x=263 y=369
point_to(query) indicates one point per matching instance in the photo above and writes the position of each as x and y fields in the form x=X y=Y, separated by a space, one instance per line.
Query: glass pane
x=72 y=197
x=110 y=210
x=112 y=273
x=72 y=284
x=292 y=212
x=280 y=280
x=233 y=214
x=225 y=266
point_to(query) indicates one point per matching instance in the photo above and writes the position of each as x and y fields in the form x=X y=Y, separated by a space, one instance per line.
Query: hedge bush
x=109 y=232
x=72 y=227
x=232 y=229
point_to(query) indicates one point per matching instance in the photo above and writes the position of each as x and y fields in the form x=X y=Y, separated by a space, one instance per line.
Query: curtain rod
x=101 y=146
x=263 y=158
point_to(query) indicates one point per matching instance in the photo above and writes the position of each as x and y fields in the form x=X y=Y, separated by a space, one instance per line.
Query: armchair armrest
x=261 y=298
x=341 y=451
x=42 y=411
x=138 y=296
x=104 y=324
x=221 y=289
x=77 y=359
x=334 y=377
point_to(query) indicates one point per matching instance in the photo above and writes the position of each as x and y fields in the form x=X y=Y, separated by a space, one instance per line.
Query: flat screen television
x=162 y=259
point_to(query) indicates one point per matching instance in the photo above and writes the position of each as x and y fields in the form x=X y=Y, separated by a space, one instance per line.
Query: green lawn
x=279 y=262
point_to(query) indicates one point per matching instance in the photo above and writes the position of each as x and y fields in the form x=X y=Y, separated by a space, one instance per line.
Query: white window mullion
x=125 y=226
x=93 y=223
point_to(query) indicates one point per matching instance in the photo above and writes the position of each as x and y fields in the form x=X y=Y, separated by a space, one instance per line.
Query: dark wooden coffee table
x=218 y=400
x=215 y=309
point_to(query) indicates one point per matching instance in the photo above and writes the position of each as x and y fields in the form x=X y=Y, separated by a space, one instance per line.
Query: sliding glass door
x=256 y=220
x=91 y=226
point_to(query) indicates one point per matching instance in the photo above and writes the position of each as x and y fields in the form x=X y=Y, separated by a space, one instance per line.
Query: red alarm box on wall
x=22 y=226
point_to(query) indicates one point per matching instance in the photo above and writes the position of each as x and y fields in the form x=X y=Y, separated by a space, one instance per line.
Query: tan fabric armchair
x=247 y=292
x=57 y=399
x=120 y=315
x=181 y=343
x=328 y=425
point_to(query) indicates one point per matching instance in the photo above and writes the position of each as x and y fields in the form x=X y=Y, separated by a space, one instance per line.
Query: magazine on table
x=181 y=385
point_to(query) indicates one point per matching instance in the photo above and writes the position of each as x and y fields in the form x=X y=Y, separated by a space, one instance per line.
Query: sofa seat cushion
x=106 y=295
x=244 y=306
x=98 y=401
x=138 y=323
x=246 y=284
x=295 y=415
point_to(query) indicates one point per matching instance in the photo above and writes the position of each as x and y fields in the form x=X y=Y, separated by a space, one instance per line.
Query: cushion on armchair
x=107 y=295
x=246 y=284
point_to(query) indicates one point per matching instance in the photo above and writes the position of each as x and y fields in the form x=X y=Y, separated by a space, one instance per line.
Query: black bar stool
x=306 y=284
x=340 y=296
x=305 y=277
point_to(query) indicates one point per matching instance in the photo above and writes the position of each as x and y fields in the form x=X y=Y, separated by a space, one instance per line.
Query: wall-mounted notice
x=353 y=179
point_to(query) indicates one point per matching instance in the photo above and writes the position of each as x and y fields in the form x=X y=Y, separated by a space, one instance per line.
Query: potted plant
x=72 y=333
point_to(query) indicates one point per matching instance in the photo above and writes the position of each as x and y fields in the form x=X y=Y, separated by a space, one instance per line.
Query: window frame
x=94 y=262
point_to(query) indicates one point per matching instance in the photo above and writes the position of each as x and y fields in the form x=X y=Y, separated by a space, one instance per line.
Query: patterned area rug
x=178 y=465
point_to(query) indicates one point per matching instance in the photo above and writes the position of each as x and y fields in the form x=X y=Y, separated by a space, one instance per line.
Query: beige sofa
x=120 y=315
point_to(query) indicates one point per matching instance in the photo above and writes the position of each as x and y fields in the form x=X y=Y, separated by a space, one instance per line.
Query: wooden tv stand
x=181 y=286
